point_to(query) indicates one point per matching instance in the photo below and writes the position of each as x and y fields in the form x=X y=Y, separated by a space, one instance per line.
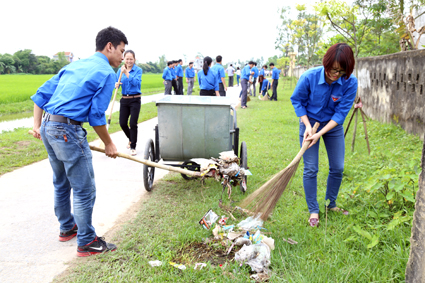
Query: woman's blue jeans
x=71 y=160
x=335 y=147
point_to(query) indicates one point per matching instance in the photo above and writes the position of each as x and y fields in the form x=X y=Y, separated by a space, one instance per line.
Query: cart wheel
x=198 y=168
x=148 y=171
x=244 y=164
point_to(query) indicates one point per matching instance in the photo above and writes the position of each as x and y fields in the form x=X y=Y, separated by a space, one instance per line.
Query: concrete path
x=29 y=246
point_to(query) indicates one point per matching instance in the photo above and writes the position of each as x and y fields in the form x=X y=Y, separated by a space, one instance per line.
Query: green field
x=16 y=90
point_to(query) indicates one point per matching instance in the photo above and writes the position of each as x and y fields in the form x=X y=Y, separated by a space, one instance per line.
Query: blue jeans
x=237 y=78
x=71 y=160
x=335 y=147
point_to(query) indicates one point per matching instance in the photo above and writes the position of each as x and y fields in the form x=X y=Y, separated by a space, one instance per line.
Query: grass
x=18 y=148
x=166 y=228
x=16 y=90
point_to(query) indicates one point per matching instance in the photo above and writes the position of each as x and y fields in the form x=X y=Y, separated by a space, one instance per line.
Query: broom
x=263 y=200
x=101 y=144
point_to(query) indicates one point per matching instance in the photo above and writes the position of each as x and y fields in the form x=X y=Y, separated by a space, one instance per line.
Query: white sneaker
x=133 y=152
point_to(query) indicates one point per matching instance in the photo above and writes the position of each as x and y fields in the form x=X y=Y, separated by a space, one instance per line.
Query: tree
x=26 y=60
x=306 y=35
x=285 y=33
x=162 y=63
x=8 y=62
x=1 y=67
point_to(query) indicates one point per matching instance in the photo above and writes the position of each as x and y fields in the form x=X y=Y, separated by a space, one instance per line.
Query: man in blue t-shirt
x=275 y=80
x=79 y=93
x=179 y=76
x=254 y=76
x=219 y=70
x=190 y=78
x=168 y=78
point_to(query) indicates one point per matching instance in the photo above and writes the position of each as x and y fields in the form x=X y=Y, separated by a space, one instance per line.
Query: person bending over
x=325 y=95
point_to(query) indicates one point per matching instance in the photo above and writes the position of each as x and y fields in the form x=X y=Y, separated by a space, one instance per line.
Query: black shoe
x=68 y=235
x=97 y=246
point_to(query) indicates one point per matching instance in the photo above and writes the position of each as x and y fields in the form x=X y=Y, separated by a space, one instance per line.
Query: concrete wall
x=392 y=89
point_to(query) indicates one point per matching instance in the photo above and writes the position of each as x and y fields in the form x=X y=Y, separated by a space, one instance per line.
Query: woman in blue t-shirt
x=325 y=94
x=131 y=82
x=208 y=81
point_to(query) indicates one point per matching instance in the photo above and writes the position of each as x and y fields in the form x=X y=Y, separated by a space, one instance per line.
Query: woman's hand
x=117 y=85
x=314 y=138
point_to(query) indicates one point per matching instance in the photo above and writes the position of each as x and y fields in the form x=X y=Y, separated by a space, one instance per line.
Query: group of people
x=81 y=93
x=173 y=77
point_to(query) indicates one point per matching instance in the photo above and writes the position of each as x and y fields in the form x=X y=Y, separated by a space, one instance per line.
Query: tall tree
x=284 y=38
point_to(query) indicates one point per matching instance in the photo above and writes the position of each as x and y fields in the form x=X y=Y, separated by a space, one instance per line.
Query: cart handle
x=234 y=117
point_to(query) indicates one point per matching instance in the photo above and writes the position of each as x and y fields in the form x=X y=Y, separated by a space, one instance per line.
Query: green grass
x=168 y=221
x=18 y=148
x=16 y=90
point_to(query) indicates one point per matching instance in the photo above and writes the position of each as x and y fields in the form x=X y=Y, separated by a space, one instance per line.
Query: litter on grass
x=251 y=223
x=209 y=218
x=256 y=256
x=179 y=266
x=155 y=263
x=200 y=265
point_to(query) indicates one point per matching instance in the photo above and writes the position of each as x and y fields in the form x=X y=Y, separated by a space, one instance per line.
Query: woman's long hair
x=207 y=63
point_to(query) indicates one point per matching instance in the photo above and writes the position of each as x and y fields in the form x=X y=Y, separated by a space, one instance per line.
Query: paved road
x=29 y=246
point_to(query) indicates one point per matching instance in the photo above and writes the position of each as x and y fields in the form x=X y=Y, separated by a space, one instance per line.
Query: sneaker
x=68 y=235
x=97 y=246
x=133 y=152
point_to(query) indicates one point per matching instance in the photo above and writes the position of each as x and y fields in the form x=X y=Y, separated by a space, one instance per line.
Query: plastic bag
x=256 y=256
x=250 y=223
x=155 y=263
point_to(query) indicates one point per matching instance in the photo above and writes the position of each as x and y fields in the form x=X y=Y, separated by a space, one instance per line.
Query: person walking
x=219 y=70
x=238 y=74
x=174 y=81
x=167 y=76
x=190 y=78
x=325 y=95
x=230 y=72
x=208 y=79
x=261 y=77
x=275 y=80
x=130 y=102
x=254 y=77
x=79 y=93
x=179 y=76
x=245 y=75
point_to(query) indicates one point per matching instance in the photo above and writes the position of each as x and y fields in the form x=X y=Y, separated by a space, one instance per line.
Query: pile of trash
x=256 y=246
x=226 y=169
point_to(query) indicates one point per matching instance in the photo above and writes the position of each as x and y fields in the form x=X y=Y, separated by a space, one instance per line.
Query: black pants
x=230 y=80
x=221 y=89
x=274 y=86
x=207 y=92
x=180 y=86
x=261 y=85
x=130 y=107
x=175 y=86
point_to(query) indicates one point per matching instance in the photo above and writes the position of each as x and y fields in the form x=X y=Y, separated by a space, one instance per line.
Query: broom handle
x=146 y=162
x=304 y=147
x=113 y=101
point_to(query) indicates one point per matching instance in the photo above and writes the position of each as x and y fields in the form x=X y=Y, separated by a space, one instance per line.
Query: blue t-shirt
x=275 y=73
x=190 y=72
x=219 y=70
x=262 y=72
x=314 y=97
x=255 y=70
x=266 y=85
x=133 y=83
x=246 y=72
x=81 y=91
x=173 y=73
x=209 y=81
x=179 y=70
x=167 y=75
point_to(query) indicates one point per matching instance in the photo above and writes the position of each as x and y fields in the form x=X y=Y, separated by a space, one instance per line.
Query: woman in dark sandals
x=325 y=94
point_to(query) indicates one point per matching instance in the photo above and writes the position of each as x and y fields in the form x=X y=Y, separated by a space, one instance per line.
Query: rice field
x=19 y=88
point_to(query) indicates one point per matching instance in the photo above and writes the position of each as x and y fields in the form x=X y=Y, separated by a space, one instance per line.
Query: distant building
x=198 y=63
x=68 y=56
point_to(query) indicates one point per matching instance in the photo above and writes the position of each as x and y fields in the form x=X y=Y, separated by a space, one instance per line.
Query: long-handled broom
x=265 y=198
x=101 y=144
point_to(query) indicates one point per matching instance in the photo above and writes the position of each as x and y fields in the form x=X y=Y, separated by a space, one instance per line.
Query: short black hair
x=190 y=63
x=218 y=59
x=175 y=61
x=231 y=65
x=255 y=63
x=169 y=63
x=271 y=64
x=180 y=60
x=265 y=66
x=112 y=35
x=251 y=63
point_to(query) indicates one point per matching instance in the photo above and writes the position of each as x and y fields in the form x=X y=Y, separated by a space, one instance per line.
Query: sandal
x=337 y=209
x=133 y=152
x=243 y=107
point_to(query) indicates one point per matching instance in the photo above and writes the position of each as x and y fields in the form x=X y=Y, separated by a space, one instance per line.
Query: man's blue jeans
x=71 y=160
x=335 y=147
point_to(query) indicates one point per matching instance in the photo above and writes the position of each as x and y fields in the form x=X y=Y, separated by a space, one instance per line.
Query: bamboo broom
x=264 y=199
x=101 y=144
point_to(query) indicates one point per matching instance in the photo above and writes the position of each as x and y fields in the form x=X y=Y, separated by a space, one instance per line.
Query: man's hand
x=111 y=150
x=36 y=133
x=217 y=93
x=225 y=88
x=187 y=81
